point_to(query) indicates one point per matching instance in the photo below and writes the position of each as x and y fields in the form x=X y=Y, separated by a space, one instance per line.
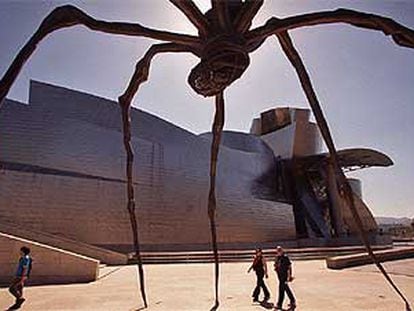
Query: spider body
x=224 y=53
x=223 y=60
x=223 y=45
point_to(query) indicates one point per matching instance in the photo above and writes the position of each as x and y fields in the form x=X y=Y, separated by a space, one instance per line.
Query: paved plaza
x=190 y=287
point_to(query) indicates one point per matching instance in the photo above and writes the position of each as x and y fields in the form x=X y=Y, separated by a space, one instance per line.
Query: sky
x=363 y=80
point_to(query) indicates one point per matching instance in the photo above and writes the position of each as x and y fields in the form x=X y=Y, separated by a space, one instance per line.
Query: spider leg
x=193 y=14
x=221 y=9
x=296 y=61
x=215 y=144
x=401 y=35
x=140 y=75
x=68 y=16
x=244 y=19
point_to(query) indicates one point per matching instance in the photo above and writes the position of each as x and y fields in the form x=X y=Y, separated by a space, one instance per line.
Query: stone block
x=50 y=265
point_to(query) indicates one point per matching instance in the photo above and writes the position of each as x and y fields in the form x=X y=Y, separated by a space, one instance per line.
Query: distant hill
x=405 y=221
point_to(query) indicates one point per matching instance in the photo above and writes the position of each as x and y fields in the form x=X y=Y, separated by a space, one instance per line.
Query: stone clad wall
x=74 y=133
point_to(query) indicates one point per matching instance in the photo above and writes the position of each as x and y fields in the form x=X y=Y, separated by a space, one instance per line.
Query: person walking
x=260 y=267
x=283 y=268
x=22 y=274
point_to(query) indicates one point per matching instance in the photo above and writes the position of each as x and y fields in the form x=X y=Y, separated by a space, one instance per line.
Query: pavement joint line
x=114 y=270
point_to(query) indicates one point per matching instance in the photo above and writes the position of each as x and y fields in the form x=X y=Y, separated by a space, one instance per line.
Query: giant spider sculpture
x=223 y=45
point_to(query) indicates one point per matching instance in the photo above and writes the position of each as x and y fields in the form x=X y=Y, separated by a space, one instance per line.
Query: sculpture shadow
x=14 y=306
x=267 y=305
x=215 y=307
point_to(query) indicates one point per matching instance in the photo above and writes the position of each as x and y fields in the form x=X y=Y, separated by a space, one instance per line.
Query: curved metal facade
x=63 y=173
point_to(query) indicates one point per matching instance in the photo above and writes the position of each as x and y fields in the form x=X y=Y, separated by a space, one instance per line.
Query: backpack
x=29 y=268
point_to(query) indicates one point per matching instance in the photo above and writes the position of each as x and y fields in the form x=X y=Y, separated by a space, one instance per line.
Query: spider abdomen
x=223 y=61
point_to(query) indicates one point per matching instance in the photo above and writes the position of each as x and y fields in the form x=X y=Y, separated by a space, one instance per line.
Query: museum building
x=62 y=167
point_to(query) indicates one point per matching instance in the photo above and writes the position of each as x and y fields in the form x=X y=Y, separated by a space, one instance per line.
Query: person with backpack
x=260 y=267
x=24 y=268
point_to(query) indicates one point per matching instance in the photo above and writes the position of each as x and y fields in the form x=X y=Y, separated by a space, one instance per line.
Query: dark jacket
x=282 y=266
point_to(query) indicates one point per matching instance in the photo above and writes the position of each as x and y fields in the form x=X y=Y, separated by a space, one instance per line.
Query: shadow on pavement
x=267 y=305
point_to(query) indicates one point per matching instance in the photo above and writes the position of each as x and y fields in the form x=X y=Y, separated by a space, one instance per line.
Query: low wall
x=50 y=265
x=104 y=255
x=348 y=261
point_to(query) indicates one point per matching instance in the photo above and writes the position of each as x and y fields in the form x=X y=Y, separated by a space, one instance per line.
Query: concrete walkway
x=189 y=287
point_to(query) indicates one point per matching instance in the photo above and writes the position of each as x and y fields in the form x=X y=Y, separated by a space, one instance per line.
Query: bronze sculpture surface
x=223 y=46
